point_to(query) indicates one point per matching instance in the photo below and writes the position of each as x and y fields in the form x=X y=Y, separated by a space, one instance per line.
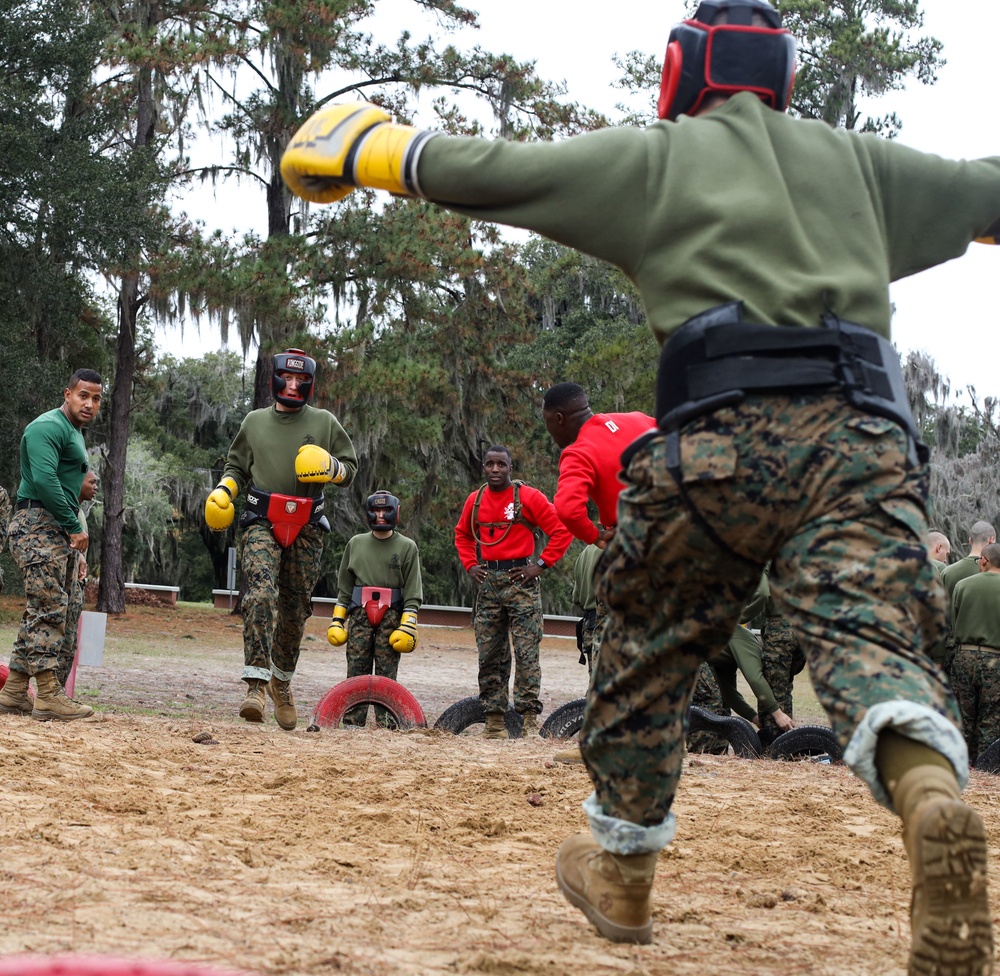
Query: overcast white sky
x=949 y=312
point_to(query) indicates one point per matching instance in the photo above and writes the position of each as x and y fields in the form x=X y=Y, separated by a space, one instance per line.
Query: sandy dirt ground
x=420 y=852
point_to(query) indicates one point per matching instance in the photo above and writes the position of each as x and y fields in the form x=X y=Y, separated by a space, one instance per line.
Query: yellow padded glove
x=313 y=464
x=991 y=235
x=337 y=633
x=355 y=144
x=219 y=510
x=404 y=638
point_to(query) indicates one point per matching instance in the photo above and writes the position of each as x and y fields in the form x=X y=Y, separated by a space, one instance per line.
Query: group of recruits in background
x=282 y=458
x=970 y=650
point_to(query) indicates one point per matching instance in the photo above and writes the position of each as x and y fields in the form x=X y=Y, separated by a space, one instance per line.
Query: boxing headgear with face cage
x=292 y=361
x=389 y=504
x=724 y=59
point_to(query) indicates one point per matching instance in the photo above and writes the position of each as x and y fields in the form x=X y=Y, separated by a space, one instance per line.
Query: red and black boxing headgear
x=724 y=59
x=389 y=504
x=292 y=361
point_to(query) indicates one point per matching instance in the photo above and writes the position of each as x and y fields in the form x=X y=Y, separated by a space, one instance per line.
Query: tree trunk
x=111 y=593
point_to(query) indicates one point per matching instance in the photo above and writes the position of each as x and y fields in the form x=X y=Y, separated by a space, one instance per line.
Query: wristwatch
x=540 y=564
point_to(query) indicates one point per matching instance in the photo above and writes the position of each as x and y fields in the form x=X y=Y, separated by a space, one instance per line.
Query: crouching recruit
x=763 y=247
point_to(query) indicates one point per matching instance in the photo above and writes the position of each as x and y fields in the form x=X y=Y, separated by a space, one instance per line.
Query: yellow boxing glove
x=219 y=510
x=313 y=464
x=404 y=638
x=337 y=633
x=991 y=235
x=355 y=144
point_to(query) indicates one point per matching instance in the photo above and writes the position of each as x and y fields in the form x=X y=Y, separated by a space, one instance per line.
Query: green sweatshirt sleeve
x=555 y=188
x=413 y=587
x=57 y=469
x=933 y=206
x=726 y=677
x=746 y=651
x=345 y=577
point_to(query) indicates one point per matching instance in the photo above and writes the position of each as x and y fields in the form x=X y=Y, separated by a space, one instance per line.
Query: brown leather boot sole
x=25 y=707
x=571 y=756
x=252 y=709
x=952 y=930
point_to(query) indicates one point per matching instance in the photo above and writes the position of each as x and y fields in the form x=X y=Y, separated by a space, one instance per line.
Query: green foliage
x=965 y=450
x=851 y=51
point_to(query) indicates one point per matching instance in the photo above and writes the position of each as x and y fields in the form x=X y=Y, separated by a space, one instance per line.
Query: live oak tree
x=286 y=59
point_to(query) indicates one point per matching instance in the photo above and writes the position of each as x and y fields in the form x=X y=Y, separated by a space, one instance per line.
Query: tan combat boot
x=529 y=728
x=51 y=702
x=612 y=890
x=252 y=706
x=495 y=727
x=571 y=756
x=14 y=698
x=284 y=704
x=952 y=934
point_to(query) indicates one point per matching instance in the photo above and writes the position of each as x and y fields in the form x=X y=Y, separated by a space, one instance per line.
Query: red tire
x=101 y=966
x=367 y=689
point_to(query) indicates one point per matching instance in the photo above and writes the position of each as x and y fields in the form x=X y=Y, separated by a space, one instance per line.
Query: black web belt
x=716 y=359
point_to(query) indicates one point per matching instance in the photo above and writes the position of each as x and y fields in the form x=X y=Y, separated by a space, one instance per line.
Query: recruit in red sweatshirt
x=498 y=539
x=591 y=467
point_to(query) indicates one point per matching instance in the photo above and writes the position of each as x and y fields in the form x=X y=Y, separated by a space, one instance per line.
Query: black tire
x=806 y=742
x=367 y=689
x=988 y=761
x=470 y=711
x=742 y=736
x=565 y=722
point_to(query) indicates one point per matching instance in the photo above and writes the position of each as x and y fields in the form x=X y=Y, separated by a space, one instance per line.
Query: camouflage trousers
x=369 y=652
x=824 y=491
x=509 y=615
x=591 y=626
x=708 y=696
x=46 y=639
x=777 y=657
x=975 y=678
x=278 y=598
x=68 y=645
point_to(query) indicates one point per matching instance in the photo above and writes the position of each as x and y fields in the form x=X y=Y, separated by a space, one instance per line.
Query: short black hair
x=499 y=449
x=992 y=552
x=84 y=376
x=563 y=395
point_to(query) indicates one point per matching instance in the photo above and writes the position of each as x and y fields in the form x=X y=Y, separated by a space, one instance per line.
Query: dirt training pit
x=372 y=852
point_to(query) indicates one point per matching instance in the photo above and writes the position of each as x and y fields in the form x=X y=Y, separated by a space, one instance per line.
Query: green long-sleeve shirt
x=975 y=610
x=951 y=575
x=791 y=216
x=583 y=577
x=392 y=562
x=743 y=653
x=53 y=463
x=263 y=452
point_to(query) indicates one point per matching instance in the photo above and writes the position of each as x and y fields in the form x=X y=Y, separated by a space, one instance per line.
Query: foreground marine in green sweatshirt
x=763 y=247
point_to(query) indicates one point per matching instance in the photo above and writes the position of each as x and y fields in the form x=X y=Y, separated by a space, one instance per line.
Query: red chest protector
x=375 y=600
x=286 y=513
